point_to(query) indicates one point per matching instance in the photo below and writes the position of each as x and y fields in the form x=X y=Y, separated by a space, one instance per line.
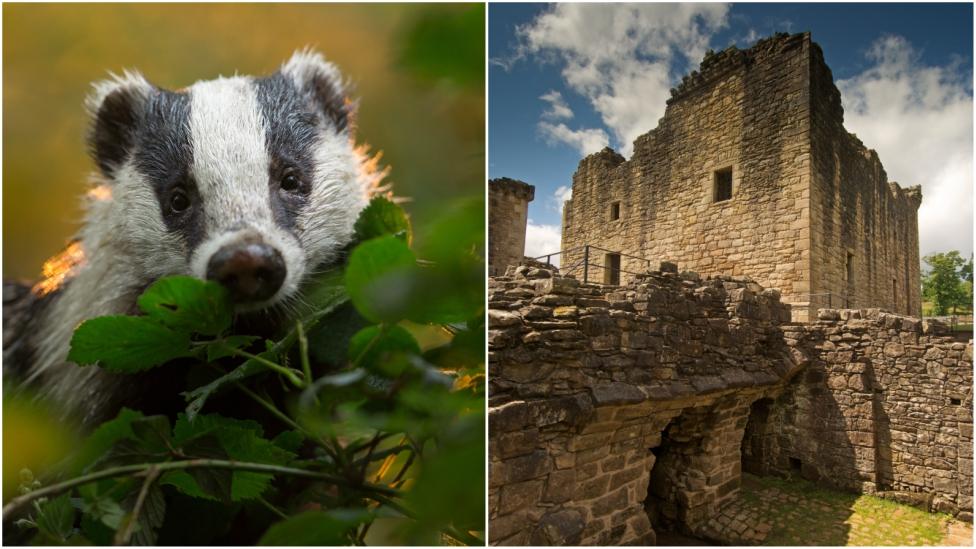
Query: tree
x=948 y=282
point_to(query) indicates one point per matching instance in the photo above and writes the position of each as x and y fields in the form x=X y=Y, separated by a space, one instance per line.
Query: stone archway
x=757 y=440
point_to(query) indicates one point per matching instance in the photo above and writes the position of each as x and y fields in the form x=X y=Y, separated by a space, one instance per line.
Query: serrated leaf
x=289 y=441
x=56 y=517
x=189 y=304
x=153 y=433
x=126 y=344
x=226 y=346
x=125 y=452
x=150 y=518
x=242 y=441
x=380 y=278
x=316 y=528
x=105 y=436
x=380 y=218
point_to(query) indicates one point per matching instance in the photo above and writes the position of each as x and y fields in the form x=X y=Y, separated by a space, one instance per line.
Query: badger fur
x=255 y=182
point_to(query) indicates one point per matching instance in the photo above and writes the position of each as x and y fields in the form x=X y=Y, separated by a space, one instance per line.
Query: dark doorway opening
x=611 y=271
x=757 y=440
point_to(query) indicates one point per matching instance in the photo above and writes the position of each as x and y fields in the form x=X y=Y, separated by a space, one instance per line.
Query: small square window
x=614 y=211
x=722 y=185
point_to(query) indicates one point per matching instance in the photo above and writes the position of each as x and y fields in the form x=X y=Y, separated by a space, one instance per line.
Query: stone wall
x=857 y=215
x=883 y=406
x=616 y=411
x=771 y=114
x=508 y=207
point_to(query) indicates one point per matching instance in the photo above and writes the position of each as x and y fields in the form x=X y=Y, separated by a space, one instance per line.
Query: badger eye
x=290 y=183
x=179 y=201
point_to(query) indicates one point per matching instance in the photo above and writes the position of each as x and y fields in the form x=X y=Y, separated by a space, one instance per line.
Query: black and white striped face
x=253 y=182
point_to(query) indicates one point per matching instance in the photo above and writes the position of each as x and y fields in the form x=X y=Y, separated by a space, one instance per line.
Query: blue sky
x=567 y=79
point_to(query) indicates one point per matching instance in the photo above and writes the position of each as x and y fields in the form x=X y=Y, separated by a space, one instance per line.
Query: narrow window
x=955 y=401
x=611 y=270
x=894 y=293
x=615 y=211
x=850 y=269
x=722 y=185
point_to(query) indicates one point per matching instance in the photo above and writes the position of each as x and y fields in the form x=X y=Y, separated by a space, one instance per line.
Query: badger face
x=251 y=182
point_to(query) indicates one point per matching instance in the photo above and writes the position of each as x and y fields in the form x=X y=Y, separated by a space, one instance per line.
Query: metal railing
x=585 y=263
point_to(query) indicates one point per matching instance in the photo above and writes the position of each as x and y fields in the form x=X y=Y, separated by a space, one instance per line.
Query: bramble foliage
x=373 y=421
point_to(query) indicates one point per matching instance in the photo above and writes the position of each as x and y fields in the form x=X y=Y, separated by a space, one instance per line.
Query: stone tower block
x=508 y=210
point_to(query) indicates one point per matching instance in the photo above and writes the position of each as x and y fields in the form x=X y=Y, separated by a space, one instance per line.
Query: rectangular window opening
x=722 y=190
x=615 y=211
x=795 y=465
x=955 y=401
x=894 y=293
x=611 y=269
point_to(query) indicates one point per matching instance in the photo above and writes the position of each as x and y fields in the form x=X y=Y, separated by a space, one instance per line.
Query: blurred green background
x=418 y=70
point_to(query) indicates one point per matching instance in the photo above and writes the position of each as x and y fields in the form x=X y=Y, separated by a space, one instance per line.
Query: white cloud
x=561 y=195
x=542 y=239
x=586 y=140
x=558 y=109
x=620 y=57
x=920 y=120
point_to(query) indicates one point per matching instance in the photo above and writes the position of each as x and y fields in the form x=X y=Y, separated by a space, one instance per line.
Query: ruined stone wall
x=748 y=110
x=882 y=406
x=616 y=411
x=857 y=213
x=508 y=209
x=602 y=399
x=805 y=192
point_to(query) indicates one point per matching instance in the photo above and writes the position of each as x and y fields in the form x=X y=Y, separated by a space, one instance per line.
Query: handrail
x=585 y=261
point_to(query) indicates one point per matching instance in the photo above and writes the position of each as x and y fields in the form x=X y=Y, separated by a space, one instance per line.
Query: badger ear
x=115 y=106
x=322 y=84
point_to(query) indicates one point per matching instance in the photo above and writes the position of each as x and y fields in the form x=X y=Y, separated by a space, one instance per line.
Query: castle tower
x=508 y=214
x=751 y=173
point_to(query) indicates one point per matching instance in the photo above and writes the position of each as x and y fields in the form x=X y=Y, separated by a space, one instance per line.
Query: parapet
x=716 y=65
x=513 y=187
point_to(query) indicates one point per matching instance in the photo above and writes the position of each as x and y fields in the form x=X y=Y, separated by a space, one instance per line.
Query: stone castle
x=629 y=402
x=751 y=172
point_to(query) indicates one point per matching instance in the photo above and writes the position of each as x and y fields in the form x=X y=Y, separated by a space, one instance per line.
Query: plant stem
x=303 y=352
x=287 y=372
x=281 y=514
x=142 y=469
x=123 y=536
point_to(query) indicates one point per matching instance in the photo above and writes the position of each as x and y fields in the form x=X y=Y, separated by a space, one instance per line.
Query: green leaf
x=289 y=441
x=316 y=528
x=437 y=497
x=206 y=483
x=383 y=349
x=150 y=517
x=126 y=344
x=104 y=437
x=189 y=304
x=56 y=517
x=380 y=277
x=242 y=441
x=380 y=218
x=153 y=433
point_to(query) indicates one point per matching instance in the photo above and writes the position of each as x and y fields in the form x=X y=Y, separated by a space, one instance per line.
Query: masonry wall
x=508 y=207
x=883 y=406
x=857 y=213
x=806 y=193
x=616 y=411
x=748 y=110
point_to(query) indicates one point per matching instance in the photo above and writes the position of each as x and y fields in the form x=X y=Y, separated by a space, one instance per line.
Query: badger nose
x=252 y=271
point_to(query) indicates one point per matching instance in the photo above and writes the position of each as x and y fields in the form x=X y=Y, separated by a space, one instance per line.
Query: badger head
x=251 y=182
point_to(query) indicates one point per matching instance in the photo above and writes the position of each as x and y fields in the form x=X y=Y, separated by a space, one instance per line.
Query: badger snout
x=252 y=271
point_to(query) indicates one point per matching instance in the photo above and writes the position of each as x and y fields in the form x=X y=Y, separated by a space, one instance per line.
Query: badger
x=253 y=182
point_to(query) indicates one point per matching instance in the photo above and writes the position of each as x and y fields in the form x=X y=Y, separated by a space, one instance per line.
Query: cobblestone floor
x=771 y=511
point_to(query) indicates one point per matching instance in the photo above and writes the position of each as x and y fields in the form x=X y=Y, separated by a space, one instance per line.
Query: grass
x=802 y=513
